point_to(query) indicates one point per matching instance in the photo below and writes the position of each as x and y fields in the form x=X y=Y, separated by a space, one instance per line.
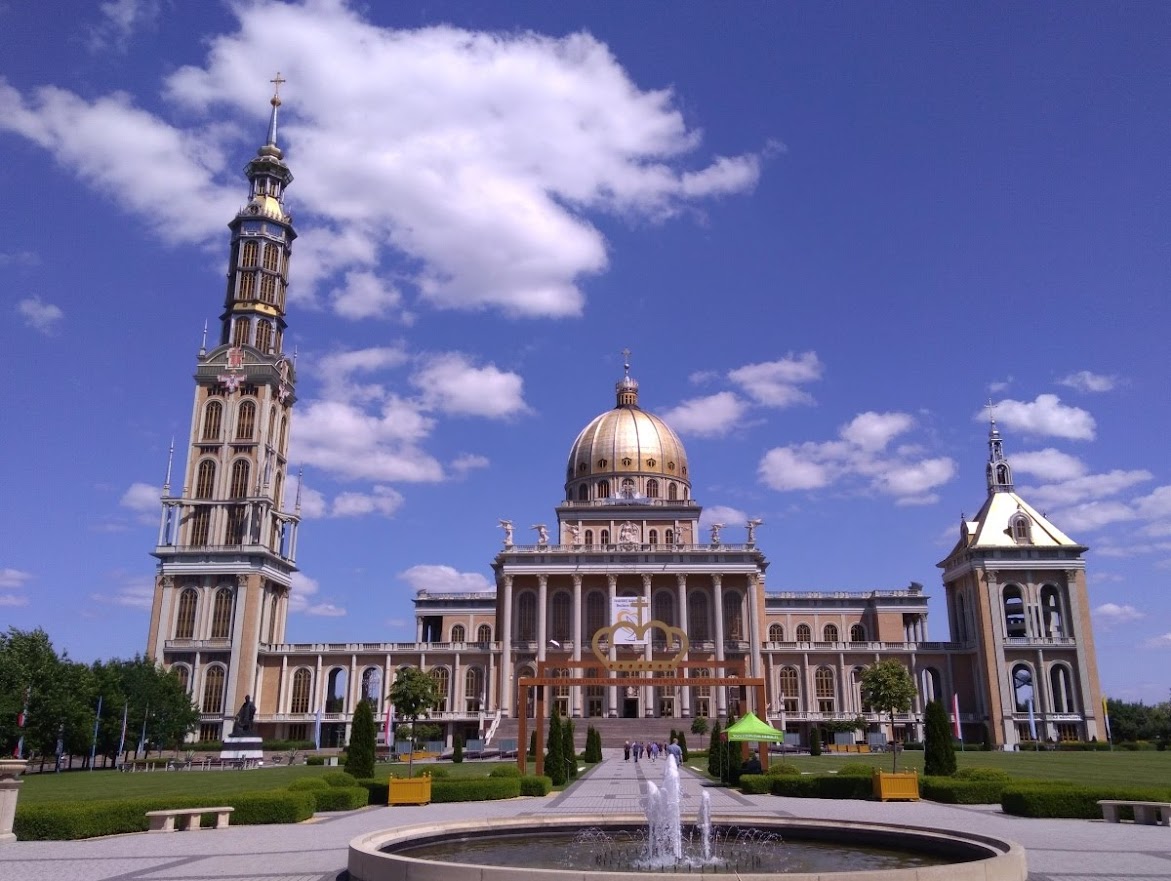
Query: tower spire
x=627 y=388
x=275 y=101
x=170 y=461
x=999 y=472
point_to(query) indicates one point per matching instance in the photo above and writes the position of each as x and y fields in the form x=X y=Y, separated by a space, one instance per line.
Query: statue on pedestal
x=542 y=534
x=574 y=532
x=245 y=719
x=506 y=525
x=716 y=527
x=752 y=524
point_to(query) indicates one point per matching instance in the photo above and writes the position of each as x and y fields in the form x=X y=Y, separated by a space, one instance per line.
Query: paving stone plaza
x=317 y=849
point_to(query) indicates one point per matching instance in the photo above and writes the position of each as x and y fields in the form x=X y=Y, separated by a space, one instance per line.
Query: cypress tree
x=682 y=738
x=554 y=759
x=360 y=754
x=568 y=749
x=533 y=743
x=939 y=758
x=457 y=750
x=815 y=742
x=715 y=752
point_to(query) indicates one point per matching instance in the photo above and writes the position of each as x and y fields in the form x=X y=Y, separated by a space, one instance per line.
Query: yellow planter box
x=903 y=785
x=413 y=791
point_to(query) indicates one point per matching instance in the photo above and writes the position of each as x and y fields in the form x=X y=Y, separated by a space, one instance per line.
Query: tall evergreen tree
x=457 y=749
x=568 y=749
x=554 y=758
x=939 y=758
x=682 y=738
x=363 y=734
x=815 y=742
x=715 y=752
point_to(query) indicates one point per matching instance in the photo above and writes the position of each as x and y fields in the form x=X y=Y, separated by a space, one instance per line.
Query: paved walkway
x=1058 y=850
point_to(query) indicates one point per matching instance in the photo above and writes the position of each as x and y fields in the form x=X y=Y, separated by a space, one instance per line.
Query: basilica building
x=1019 y=659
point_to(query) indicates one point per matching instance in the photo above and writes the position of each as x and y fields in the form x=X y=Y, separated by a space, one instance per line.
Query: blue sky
x=828 y=233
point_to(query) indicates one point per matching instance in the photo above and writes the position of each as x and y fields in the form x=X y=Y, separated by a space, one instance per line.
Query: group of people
x=652 y=751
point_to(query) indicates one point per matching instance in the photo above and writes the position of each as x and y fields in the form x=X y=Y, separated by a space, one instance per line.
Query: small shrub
x=815 y=742
x=337 y=798
x=474 y=789
x=505 y=771
x=378 y=791
x=457 y=750
x=783 y=769
x=856 y=769
x=339 y=779
x=315 y=760
x=307 y=783
x=438 y=773
x=913 y=746
x=755 y=784
x=533 y=785
x=982 y=774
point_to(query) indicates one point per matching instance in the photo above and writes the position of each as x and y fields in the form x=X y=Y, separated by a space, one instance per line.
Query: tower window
x=247 y=288
x=804 y=634
x=185 y=621
x=268 y=288
x=200 y=523
x=213 y=417
x=272 y=257
x=672 y=491
x=627 y=488
x=284 y=434
x=1020 y=527
x=603 y=489
x=248 y=255
x=583 y=494
x=241 y=332
x=246 y=421
x=237 y=524
x=264 y=336
x=239 y=479
x=205 y=480
x=301 y=681
x=213 y=690
x=652 y=489
x=221 y=619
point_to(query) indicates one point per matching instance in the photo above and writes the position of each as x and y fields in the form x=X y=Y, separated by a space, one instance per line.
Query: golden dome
x=627 y=453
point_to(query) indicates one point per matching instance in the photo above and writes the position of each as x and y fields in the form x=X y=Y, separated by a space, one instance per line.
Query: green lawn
x=75 y=786
x=1119 y=767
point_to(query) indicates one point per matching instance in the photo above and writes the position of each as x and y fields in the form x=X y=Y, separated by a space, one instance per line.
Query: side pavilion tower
x=227 y=545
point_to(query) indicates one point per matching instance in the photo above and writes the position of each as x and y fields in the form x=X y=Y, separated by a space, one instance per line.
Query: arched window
x=589 y=537
x=1062 y=688
x=857 y=633
x=301 y=682
x=248 y=255
x=664 y=607
x=595 y=613
x=1022 y=687
x=213 y=417
x=776 y=633
x=271 y=423
x=484 y=634
x=686 y=494
x=273 y=609
x=237 y=524
x=605 y=536
x=268 y=288
x=185 y=620
x=526 y=618
x=804 y=634
x=652 y=489
x=213 y=690
x=961 y=618
x=475 y=697
x=442 y=687
x=583 y=493
x=242 y=329
x=562 y=609
x=672 y=492
x=1014 y=612
x=200 y=526
x=653 y=537
x=603 y=489
x=1051 y=616
x=246 y=290
x=830 y=633
x=790 y=686
x=284 y=434
x=239 y=489
x=669 y=537
x=457 y=633
x=183 y=674
x=246 y=421
x=336 y=690
x=205 y=479
x=697 y=616
x=221 y=616
x=1021 y=528
x=272 y=257
x=823 y=681
x=264 y=336
x=627 y=488
x=733 y=615
x=372 y=687
x=702 y=673
x=278 y=488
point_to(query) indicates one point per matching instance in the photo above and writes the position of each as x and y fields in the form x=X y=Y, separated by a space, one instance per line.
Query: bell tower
x=227 y=541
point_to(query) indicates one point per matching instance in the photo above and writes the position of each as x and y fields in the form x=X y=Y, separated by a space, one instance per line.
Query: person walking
x=673 y=748
x=653 y=751
x=626 y=752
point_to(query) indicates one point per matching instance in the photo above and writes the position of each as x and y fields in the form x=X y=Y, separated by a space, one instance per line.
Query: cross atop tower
x=277 y=81
x=626 y=361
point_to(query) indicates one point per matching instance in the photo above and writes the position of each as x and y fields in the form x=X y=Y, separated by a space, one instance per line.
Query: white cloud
x=452 y=384
x=302 y=592
x=336 y=372
x=381 y=500
x=1048 y=464
x=133 y=593
x=141 y=497
x=1155 y=505
x=466 y=462
x=20 y=258
x=444 y=579
x=38 y=315
x=999 y=385
x=777 y=383
x=10 y=578
x=862 y=452
x=730 y=517
x=481 y=155
x=709 y=416
x=1085 y=381
x=1112 y=613
x=120 y=20
x=1045 y=416
x=1092 y=515
x=1159 y=642
x=702 y=377
x=1086 y=487
x=364 y=295
x=313 y=504
x=13 y=600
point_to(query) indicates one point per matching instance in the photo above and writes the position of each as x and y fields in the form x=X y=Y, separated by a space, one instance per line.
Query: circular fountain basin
x=963 y=856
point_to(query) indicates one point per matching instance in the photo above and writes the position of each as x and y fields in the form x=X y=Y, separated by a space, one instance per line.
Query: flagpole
x=93 y=747
x=122 y=736
x=955 y=709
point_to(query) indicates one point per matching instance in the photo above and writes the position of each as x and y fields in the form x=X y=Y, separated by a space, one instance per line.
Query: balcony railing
x=1040 y=640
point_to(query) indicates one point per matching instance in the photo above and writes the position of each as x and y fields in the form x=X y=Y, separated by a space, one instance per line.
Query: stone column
x=10 y=771
x=506 y=652
x=718 y=602
x=685 y=692
x=754 y=630
x=613 y=653
x=649 y=709
x=575 y=699
x=542 y=615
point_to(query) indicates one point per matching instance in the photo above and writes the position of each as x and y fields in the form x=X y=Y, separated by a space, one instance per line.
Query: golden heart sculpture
x=670 y=634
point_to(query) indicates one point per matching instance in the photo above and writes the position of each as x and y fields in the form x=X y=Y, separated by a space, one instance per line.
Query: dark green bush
x=505 y=771
x=755 y=784
x=913 y=746
x=63 y=822
x=438 y=773
x=982 y=774
x=474 y=789
x=856 y=769
x=954 y=791
x=337 y=798
x=803 y=786
x=1069 y=801
x=379 y=791
x=339 y=779
x=783 y=769
x=533 y=785
x=307 y=783
x=315 y=760
x=815 y=742
x=822 y=786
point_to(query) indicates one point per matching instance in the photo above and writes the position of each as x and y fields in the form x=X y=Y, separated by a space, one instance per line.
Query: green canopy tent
x=750 y=728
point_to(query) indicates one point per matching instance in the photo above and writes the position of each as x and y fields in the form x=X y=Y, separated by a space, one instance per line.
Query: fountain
x=751 y=848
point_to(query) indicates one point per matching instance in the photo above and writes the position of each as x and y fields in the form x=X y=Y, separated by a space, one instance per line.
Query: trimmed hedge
x=505 y=771
x=307 y=783
x=1070 y=801
x=474 y=789
x=954 y=791
x=66 y=822
x=822 y=786
x=340 y=779
x=783 y=769
x=378 y=791
x=755 y=784
x=337 y=798
x=856 y=769
x=533 y=785
x=983 y=774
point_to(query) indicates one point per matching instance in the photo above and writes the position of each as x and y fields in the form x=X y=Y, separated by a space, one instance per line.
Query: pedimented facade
x=1019 y=655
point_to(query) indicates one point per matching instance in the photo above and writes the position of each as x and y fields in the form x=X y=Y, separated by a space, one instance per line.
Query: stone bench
x=189 y=818
x=1148 y=813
